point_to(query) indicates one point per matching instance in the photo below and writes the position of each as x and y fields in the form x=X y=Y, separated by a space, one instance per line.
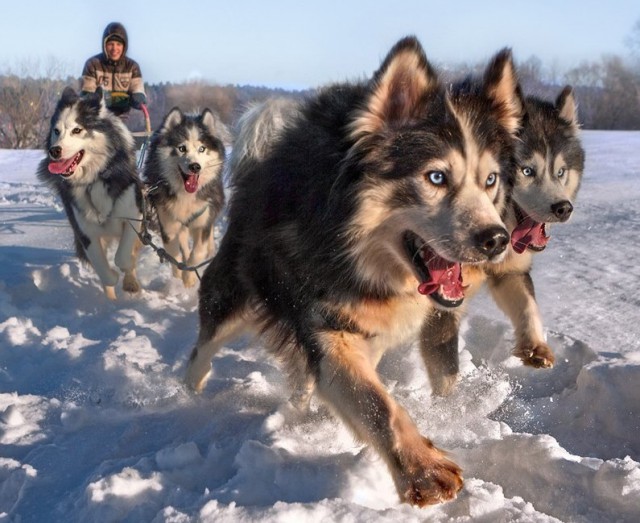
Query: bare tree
x=620 y=104
x=586 y=79
x=195 y=96
x=632 y=41
x=27 y=102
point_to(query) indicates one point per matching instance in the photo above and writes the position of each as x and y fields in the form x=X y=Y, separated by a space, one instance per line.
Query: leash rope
x=145 y=237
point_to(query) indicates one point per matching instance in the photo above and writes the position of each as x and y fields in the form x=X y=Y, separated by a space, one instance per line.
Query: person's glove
x=138 y=100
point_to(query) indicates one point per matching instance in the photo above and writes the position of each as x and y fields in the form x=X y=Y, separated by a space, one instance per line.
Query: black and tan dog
x=351 y=228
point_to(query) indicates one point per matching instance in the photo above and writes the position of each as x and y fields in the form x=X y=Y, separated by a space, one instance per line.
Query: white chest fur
x=98 y=213
x=188 y=210
x=94 y=202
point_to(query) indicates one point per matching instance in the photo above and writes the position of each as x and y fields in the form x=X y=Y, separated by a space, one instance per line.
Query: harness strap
x=195 y=216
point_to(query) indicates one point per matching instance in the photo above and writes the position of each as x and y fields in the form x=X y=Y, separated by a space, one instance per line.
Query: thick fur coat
x=91 y=166
x=347 y=229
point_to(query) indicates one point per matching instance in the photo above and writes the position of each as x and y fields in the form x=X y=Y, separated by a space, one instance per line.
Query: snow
x=95 y=424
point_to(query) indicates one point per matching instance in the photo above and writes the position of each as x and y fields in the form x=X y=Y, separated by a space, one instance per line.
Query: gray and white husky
x=183 y=174
x=550 y=162
x=91 y=166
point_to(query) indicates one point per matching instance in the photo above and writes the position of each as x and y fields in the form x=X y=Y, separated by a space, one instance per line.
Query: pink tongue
x=528 y=232
x=61 y=166
x=191 y=183
x=443 y=274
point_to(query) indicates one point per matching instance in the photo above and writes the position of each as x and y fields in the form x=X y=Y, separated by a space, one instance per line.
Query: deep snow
x=95 y=424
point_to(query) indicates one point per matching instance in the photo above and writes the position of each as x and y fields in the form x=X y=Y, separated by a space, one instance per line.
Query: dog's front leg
x=98 y=260
x=439 y=348
x=348 y=382
x=515 y=295
x=127 y=254
x=170 y=230
x=198 y=254
x=171 y=244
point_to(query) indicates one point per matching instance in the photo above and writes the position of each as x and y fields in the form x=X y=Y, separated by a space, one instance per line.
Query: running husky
x=350 y=227
x=183 y=173
x=91 y=166
x=550 y=161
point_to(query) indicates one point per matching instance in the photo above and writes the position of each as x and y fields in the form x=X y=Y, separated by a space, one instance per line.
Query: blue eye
x=528 y=171
x=491 y=180
x=437 y=177
x=561 y=172
x=182 y=149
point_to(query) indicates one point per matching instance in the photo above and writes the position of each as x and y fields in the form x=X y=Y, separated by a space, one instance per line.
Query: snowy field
x=95 y=424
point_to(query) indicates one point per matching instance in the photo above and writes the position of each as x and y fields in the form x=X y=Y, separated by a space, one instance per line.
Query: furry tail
x=258 y=129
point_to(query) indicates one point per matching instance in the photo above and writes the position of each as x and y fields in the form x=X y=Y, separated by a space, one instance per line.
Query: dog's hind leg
x=515 y=295
x=348 y=382
x=439 y=348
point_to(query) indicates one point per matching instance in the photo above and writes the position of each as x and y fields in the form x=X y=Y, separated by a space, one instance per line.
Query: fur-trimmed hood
x=115 y=29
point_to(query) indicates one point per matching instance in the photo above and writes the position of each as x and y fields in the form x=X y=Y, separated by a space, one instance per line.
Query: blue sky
x=295 y=44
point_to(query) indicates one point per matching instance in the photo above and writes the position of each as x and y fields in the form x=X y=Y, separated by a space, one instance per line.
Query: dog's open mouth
x=528 y=234
x=441 y=279
x=190 y=181
x=66 y=167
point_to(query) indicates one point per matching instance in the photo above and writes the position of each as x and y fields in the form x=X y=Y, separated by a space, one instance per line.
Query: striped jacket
x=118 y=79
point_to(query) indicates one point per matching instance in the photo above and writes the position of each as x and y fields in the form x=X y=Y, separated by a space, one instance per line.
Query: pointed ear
x=68 y=95
x=567 y=107
x=95 y=101
x=174 y=118
x=502 y=87
x=398 y=89
x=208 y=120
x=100 y=101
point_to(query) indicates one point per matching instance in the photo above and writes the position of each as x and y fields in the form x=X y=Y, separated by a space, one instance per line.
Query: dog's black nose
x=55 y=152
x=562 y=210
x=492 y=241
x=194 y=167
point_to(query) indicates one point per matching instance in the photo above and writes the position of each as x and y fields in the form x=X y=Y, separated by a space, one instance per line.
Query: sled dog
x=91 y=166
x=183 y=175
x=258 y=129
x=350 y=227
x=550 y=161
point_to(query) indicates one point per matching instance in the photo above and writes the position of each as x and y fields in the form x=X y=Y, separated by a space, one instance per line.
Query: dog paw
x=110 y=278
x=443 y=385
x=432 y=479
x=198 y=372
x=130 y=283
x=189 y=278
x=196 y=383
x=538 y=355
x=110 y=292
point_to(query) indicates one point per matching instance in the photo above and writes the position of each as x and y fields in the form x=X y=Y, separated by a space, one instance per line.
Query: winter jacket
x=119 y=80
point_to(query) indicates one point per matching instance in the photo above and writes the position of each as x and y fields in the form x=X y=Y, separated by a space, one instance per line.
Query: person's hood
x=115 y=29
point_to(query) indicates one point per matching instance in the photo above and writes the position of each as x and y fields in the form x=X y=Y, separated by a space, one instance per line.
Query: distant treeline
x=608 y=94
